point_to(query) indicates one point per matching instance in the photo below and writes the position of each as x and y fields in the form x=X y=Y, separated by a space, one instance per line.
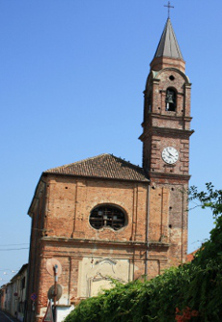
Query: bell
x=169 y=98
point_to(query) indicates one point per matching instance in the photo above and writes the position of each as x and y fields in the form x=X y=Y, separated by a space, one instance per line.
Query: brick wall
x=61 y=230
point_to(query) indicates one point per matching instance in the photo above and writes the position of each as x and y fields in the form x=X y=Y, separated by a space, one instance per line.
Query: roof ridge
x=137 y=166
x=76 y=162
x=104 y=165
x=91 y=158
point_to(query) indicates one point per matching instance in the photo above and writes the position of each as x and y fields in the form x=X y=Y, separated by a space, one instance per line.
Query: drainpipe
x=147 y=230
x=55 y=268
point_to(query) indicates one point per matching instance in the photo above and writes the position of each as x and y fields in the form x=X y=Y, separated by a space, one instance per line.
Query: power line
x=3 y=245
x=7 y=249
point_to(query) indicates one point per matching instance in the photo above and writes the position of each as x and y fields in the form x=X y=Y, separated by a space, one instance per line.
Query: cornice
x=172 y=115
x=173 y=176
x=174 y=132
x=162 y=131
x=102 y=243
x=37 y=195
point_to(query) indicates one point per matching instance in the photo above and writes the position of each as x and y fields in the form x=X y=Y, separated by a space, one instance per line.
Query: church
x=103 y=217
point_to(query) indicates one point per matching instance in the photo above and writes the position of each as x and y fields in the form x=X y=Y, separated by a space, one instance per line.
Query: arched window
x=149 y=103
x=171 y=99
x=107 y=216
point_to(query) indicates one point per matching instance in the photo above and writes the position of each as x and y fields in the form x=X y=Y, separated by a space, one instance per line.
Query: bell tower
x=165 y=137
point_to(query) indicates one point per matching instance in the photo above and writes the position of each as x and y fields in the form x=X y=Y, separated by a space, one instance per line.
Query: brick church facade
x=104 y=217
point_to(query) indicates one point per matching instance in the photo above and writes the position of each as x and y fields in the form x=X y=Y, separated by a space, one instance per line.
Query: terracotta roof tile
x=191 y=256
x=102 y=166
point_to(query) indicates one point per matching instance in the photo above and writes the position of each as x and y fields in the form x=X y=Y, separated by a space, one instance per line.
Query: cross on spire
x=169 y=7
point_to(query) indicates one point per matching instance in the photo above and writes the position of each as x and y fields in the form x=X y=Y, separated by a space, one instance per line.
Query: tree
x=210 y=198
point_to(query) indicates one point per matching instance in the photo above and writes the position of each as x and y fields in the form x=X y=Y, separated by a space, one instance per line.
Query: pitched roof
x=168 y=45
x=191 y=256
x=102 y=166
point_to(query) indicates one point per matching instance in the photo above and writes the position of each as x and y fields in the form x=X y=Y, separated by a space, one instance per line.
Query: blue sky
x=72 y=73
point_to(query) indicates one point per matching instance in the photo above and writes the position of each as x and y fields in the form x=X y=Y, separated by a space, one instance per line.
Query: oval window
x=107 y=216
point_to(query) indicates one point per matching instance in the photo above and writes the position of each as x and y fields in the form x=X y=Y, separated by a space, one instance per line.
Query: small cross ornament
x=169 y=7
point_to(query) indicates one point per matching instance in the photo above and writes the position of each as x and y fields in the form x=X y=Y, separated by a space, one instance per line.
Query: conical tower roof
x=168 y=53
x=168 y=45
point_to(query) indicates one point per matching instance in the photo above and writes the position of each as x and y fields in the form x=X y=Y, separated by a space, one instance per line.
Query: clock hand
x=169 y=152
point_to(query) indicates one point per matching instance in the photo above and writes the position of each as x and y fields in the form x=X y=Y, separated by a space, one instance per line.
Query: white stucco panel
x=95 y=273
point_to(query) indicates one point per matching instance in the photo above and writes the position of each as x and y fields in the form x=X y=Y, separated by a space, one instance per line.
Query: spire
x=168 y=52
x=168 y=45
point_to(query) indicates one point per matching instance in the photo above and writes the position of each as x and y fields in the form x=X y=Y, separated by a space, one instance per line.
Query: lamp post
x=55 y=268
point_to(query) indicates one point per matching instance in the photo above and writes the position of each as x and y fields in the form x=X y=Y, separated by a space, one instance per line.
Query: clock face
x=170 y=155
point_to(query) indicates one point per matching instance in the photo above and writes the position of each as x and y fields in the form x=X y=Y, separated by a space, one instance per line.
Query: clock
x=170 y=155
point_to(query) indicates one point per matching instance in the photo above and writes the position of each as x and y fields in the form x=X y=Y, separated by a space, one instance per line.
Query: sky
x=72 y=75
